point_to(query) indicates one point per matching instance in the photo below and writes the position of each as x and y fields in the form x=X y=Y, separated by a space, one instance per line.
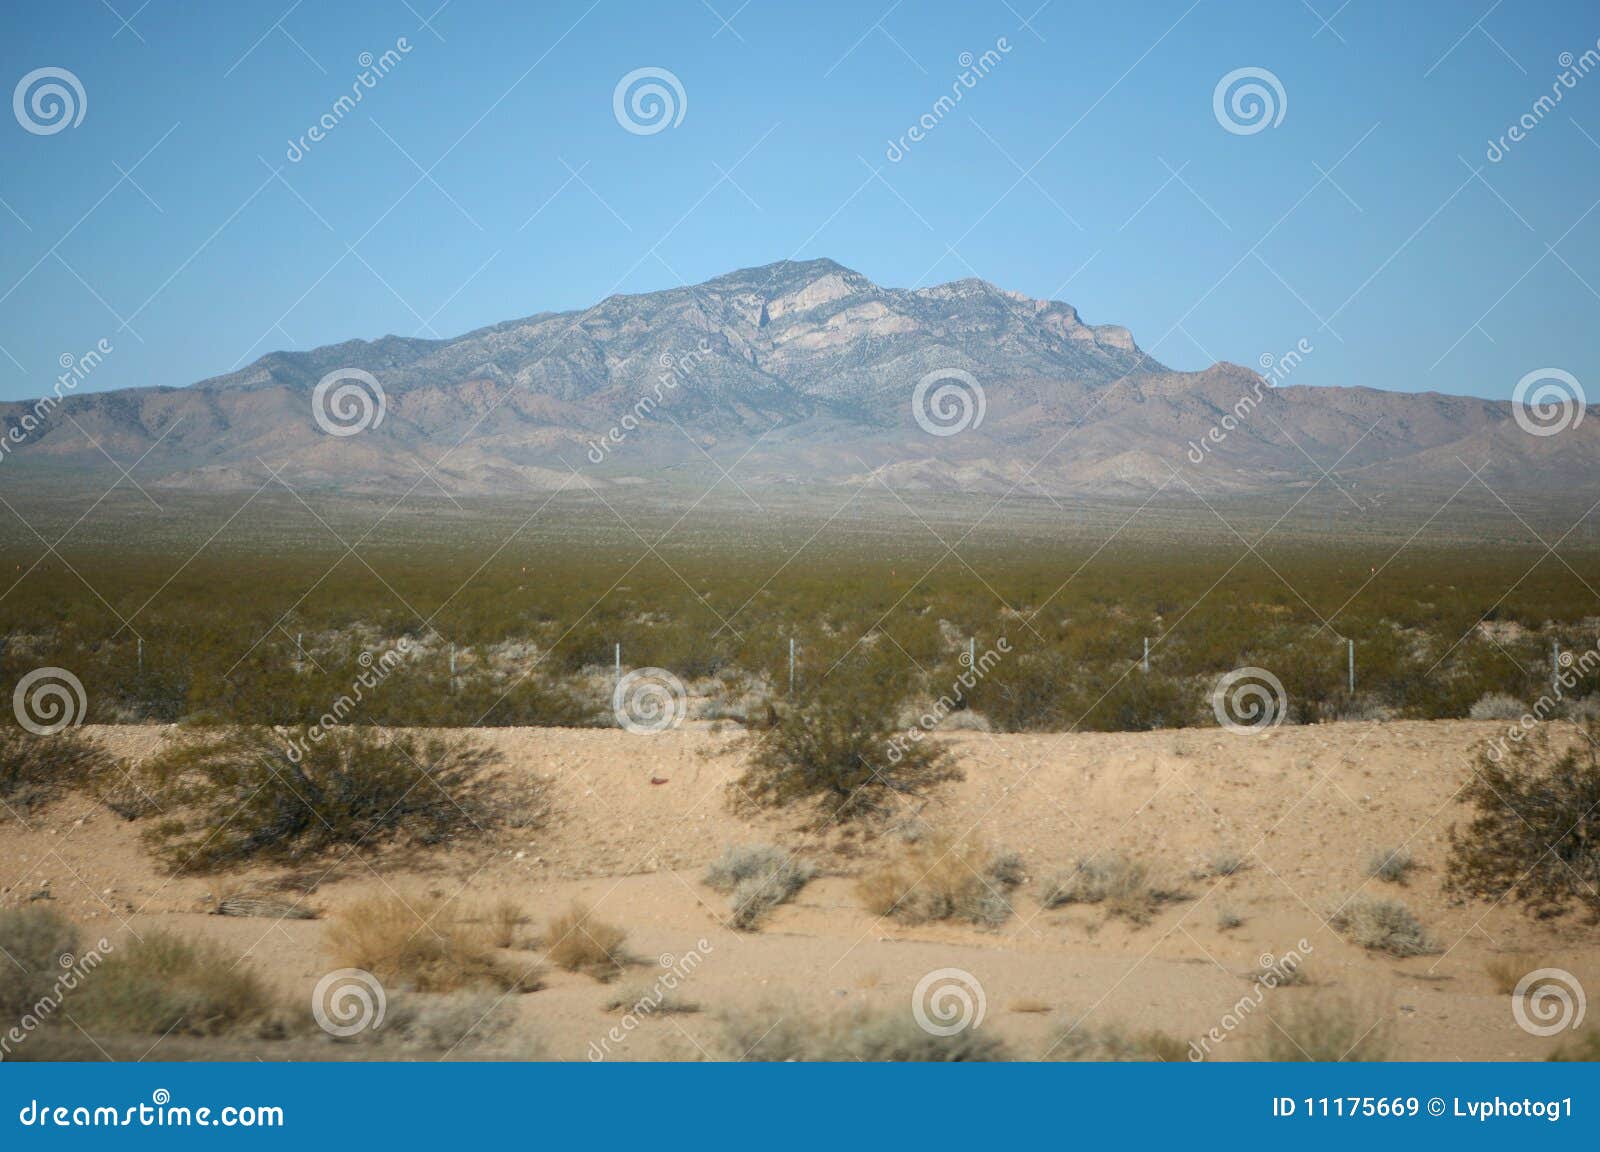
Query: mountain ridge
x=798 y=369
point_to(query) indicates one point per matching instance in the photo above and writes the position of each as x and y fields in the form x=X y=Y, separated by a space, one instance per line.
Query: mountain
x=804 y=372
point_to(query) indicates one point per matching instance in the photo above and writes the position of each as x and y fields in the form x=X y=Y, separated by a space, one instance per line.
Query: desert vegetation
x=1437 y=636
x=865 y=1034
x=1384 y=926
x=423 y=943
x=757 y=878
x=577 y=941
x=1325 y=1028
x=253 y=793
x=1533 y=834
x=836 y=747
x=1125 y=887
x=35 y=769
x=941 y=877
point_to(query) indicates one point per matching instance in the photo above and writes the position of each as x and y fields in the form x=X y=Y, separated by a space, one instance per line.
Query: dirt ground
x=1305 y=806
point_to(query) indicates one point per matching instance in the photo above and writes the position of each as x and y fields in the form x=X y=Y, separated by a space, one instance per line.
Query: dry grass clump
x=33 y=942
x=1325 y=1029
x=579 y=943
x=1124 y=886
x=1391 y=864
x=1506 y=972
x=938 y=878
x=758 y=877
x=1384 y=926
x=872 y=1035
x=36 y=769
x=165 y=984
x=504 y=921
x=424 y=944
x=1116 y=1045
x=650 y=1000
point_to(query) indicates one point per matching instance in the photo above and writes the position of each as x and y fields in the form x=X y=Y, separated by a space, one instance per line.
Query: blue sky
x=486 y=176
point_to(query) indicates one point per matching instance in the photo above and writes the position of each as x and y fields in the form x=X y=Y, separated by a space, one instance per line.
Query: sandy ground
x=1306 y=806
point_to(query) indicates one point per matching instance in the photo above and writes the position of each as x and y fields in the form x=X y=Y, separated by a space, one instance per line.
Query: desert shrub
x=165 y=984
x=424 y=944
x=1228 y=920
x=938 y=878
x=1027 y=693
x=1116 y=1045
x=33 y=941
x=470 y=1017
x=1222 y=864
x=1324 y=1029
x=1534 y=835
x=35 y=769
x=1384 y=926
x=1391 y=864
x=1496 y=706
x=245 y=795
x=1585 y=1047
x=840 y=749
x=758 y=878
x=870 y=1035
x=577 y=942
x=1138 y=704
x=1124 y=886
